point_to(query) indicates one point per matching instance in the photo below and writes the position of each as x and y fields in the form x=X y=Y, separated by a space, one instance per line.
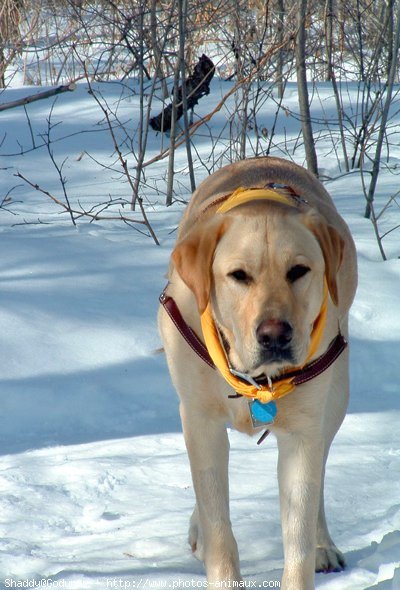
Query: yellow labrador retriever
x=254 y=325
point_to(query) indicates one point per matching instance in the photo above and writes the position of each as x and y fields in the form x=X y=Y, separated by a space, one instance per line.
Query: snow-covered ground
x=95 y=489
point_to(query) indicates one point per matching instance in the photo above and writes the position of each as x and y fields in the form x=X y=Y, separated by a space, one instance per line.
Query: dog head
x=262 y=267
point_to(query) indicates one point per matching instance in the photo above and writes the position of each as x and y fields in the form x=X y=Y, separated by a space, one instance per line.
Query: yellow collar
x=264 y=393
x=244 y=195
x=281 y=387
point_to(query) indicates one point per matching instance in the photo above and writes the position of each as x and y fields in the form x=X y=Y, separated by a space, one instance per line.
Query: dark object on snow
x=197 y=85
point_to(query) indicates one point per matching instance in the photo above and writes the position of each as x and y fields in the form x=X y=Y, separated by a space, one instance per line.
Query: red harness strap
x=186 y=331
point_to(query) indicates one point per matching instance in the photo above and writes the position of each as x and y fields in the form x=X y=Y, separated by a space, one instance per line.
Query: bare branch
x=39 y=96
x=93 y=216
x=122 y=160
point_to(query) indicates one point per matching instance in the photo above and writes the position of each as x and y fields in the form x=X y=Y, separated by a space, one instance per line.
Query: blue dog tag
x=262 y=414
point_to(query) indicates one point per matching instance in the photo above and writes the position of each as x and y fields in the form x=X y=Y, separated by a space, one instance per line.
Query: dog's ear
x=193 y=258
x=332 y=246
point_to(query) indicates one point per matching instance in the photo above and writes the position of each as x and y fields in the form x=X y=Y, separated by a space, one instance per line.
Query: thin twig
x=76 y=212
x=123 y=161
x=59 y=168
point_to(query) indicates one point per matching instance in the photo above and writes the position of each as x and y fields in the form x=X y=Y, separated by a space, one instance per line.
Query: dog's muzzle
x=274 y=338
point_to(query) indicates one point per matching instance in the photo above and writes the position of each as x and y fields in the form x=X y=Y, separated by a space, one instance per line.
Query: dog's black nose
x=274 y=334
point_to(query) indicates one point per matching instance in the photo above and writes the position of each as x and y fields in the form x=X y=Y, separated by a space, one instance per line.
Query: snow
x=95 y=484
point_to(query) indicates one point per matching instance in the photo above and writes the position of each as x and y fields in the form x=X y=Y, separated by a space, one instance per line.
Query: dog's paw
x=195 y=539
x=329 y=559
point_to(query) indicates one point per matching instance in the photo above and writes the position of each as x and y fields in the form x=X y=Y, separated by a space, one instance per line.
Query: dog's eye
x=240 y=276
x=296 y=272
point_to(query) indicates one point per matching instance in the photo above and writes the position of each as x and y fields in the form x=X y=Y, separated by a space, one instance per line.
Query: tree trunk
x=156 y=49
x=279 y=66
x=304 y=106
x=331 y=76
x=171 y=160
x=395 y=41
x=182 y=8
x=329 y=38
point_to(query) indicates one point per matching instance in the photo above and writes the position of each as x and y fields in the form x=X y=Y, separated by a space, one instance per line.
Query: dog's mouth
x=276 y=355
x=268 y=364
x=266 y=360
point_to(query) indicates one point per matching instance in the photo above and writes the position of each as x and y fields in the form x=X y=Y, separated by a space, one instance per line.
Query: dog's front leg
x=299 y=471
x=208 y=449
